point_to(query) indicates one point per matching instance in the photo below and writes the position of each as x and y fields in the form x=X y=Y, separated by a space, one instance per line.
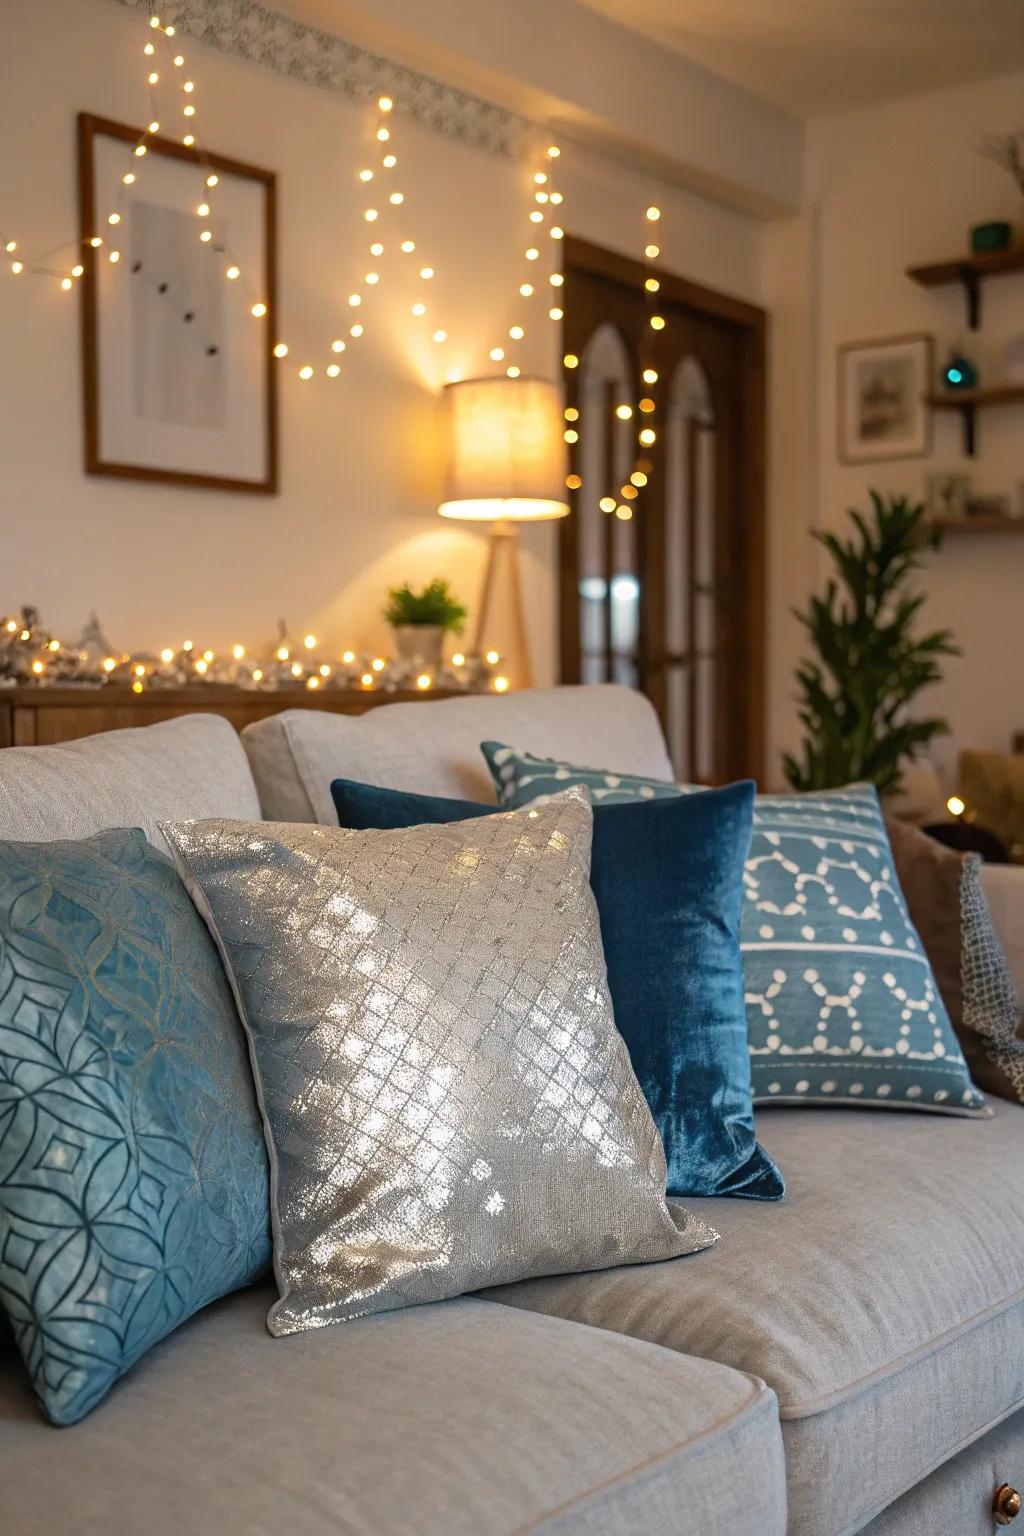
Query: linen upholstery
x=193 y=766
x=947 y=905
x=457 y=1419
x=1003 y=885
x=446 y=1099
x=133 y=1176
x=882 y=1300
x=957 y=1497
x=434 y=748
x=668 y=883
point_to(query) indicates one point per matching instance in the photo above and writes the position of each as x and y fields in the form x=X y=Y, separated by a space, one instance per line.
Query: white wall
x=890 y=187
x=360 y=460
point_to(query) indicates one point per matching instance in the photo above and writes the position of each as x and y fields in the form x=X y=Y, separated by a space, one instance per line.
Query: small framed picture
x=178 y=298
x=947 y=497
x=883 y=411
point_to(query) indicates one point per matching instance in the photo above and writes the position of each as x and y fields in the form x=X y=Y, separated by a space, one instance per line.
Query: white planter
x=419 y=643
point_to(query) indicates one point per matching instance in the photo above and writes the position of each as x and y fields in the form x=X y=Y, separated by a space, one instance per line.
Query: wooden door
x=665 y=592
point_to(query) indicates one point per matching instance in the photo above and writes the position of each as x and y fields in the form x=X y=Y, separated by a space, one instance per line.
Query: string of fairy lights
x=541 y=281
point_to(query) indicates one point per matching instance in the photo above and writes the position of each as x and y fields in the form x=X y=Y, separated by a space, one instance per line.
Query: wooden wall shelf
x=969 y=272
x=969 y=401
x=987 y=523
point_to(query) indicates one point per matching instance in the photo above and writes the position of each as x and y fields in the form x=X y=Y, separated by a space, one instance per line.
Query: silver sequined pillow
x=447 y=1101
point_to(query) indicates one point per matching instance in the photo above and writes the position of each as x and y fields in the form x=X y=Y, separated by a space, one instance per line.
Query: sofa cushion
x=190 y=767
x=434 y=748
x=458 y=1419
x=883 y=1299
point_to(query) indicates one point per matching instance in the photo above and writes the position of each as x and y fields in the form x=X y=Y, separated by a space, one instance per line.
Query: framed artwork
x=179 y=375
x=883 y=411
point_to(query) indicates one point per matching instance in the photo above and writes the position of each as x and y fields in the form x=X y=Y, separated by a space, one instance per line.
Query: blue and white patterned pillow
x=842 y=1004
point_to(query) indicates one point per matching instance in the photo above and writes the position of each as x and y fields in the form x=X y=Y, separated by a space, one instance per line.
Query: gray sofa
x=851 y=1359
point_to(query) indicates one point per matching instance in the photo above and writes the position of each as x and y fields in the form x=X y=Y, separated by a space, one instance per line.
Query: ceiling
x=815 y=56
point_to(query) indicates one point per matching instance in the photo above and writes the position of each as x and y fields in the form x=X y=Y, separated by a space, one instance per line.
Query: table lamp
x=506 y=465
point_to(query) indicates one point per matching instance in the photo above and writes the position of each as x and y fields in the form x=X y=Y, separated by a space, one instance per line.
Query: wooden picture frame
x=153 y=410
x=882 y=410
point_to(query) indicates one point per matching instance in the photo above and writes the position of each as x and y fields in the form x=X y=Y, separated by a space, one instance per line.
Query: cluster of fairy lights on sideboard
x=385 y=205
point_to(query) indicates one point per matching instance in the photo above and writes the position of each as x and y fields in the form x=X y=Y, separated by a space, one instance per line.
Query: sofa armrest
x=1004 y=891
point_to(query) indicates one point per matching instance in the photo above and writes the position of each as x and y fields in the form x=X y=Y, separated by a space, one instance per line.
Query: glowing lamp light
x=505 y=452
x=955 y=806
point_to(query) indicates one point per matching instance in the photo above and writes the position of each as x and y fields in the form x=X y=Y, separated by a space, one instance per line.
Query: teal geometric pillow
x=842 y=1004
x=133 y=1171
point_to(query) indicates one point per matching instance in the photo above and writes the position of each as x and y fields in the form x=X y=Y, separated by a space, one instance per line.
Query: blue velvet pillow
x=842 y=1004
x=668 y=884
x=133 y=1170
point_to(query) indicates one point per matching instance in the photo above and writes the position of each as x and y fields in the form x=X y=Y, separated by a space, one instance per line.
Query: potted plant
x=420 y=620
x=871 y=663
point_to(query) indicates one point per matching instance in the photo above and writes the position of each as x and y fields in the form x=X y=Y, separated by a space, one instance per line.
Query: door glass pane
x=689 y=553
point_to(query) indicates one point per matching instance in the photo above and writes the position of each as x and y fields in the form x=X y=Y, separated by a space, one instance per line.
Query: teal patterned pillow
x=133 y=1171
x=842 y=1004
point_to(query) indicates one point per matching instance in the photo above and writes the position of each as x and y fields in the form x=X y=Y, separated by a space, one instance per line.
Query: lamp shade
x=506 y=452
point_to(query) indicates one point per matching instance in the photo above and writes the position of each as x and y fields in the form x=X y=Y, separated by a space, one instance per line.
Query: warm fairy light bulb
x=152 y=78
x=166 y=655
x=955 y=806
x=623 y=412
x=376 y=249
x=574 y=482
x=109 y=664
x=17 y=267
x=186 y=645
x=492 y=658
x=206 y=236
x=355 y=299
x=113 y=218
x=419 y=309
x=312 y=682
x=385 y=103
x=458 y=659
x=282 y=653
x=154 y=21
x=378 y=664
x=647 y=405
x=310 y=642
x=501 y=685
x=115 y=256
x=553 y=151
x=638 y=477
x=371 y=215
x=149 y=49
x=571 y=435
x=238 y=651
x=179 y=59
x=440 y=336
x=426 y=273
x=202 y=666
x=653 y=213
x=383 y=134
x=650 y=375
x=232 y=273
x=657 y=322
x=66 y=283
x=333 y=370
x=281 y=349
x=305 y=372
x=12 y=245
x=189 y=140
x=512 y=372
x=77 y=269
x=189 y=111
x=348 y=657
x=188 y=86
x=337 y=346
x=168 y=31
x=628 y=492
x=536 y=217
x=257 y=674
x=648 y=436
x=366 y=175
x=372 y=278
x=212 y=179
x=532 y=253
x=540 y=197
x=128 y=178
x=258 y=310
x=367 y=679
x=96 y=241
x=556 y=232
x=407 y=246
x=651 y=251
x=355 y=330
x=396 y=198
x=389 y=161
x=652 y=285
x=207 y=656
x=540 y=177
x=607 y=503
x=526 y=289
x=556 y=279
x=570 y=360
x=37 y=667
x=555 y=314
x=497 y=354
x=571 y=413
x=516 y=332
x=624 y=513
x=424 y=681
x=153 y=127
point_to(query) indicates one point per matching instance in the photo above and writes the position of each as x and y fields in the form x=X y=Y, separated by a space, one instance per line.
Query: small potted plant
x=420 y=620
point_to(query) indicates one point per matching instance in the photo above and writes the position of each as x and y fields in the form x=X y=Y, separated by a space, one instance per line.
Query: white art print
x=179 y=376
x=883 y=407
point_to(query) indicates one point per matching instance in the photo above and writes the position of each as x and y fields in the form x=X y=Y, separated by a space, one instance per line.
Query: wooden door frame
x=751 y=324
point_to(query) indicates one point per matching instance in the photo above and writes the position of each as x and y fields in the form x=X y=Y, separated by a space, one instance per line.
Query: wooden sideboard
x=44 y=716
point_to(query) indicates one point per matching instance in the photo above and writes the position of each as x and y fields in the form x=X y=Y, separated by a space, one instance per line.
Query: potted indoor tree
x=420 y=620
x=856 y=694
